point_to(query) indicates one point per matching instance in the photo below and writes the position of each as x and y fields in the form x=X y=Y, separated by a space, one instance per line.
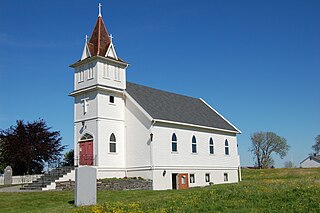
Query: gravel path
x=15 y=189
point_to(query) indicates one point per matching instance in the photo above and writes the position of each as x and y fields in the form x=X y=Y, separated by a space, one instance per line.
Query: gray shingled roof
x=316 y=158
x=178 y=108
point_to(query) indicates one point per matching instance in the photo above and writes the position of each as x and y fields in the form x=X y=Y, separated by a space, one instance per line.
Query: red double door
x=86 y=153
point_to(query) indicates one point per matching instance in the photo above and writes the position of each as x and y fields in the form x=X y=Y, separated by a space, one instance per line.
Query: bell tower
x=99 y=105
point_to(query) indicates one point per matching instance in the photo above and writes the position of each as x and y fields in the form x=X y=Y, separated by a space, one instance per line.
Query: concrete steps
x=48 y=179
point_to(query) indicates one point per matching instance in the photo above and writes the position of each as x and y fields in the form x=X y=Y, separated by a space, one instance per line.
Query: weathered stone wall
x=112 y=184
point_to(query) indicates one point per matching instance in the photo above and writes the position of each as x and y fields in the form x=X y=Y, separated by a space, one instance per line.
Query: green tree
x=68 y=159
x=316 y=146
x=264 y=144
x=26 y=147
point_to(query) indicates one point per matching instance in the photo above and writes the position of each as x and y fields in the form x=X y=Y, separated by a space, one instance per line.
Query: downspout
x=151 y=145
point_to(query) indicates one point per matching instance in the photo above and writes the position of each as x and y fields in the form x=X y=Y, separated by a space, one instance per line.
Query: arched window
x=226 y=147
x=211 y=146
x=174 y=145
x=194 y=144
x=86 y=137
x=112 y=145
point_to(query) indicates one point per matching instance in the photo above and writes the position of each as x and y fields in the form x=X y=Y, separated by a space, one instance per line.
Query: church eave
x=195 y=126
x=96 y=87
x=89 y=59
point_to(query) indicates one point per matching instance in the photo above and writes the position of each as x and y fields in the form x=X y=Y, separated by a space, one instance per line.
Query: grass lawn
x=272 y=190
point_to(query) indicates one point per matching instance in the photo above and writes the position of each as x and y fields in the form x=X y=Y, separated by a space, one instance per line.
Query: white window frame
x=226 y=147
x=192 y=178
x=194 y=144
x=90 y=71
x=81 y=74
x=211 y=146
x=174 y=141
x=117 y=73
x=225 y=177
x=111 y=142
x=106 y=71
x=205 y=177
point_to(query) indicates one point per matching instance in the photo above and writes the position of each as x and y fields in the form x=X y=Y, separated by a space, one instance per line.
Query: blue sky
x=255 y=62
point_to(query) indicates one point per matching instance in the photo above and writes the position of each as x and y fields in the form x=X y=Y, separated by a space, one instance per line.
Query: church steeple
x=100 y=43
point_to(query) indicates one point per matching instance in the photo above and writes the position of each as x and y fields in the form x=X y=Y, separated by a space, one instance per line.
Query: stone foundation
x=112 y=184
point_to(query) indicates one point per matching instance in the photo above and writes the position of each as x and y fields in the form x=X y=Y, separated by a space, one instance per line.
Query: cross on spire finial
x=111 y=37
x=87 y=38
x=99 y=6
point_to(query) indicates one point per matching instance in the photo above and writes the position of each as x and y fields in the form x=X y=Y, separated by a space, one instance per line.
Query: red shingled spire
x=99 y=41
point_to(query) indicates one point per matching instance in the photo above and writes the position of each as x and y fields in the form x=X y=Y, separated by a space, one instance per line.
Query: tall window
x=226 y=147
x=90 y=71
x=106 y=73
x=194 y=144
x=81 y=74
x=112 y=145
x=117 y=74
x=211 y=146
x=174 y=145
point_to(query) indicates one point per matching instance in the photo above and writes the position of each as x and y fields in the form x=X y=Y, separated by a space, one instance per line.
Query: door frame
x=174 y=181
x=180 y=178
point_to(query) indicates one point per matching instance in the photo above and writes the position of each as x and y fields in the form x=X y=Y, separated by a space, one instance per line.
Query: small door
x=183 y=181
x=86 y=153
x=174 y=181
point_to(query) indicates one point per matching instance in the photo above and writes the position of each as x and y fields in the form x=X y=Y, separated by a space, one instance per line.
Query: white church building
x=129 y=130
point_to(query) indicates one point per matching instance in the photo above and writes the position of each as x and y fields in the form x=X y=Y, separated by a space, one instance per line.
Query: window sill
x=108 y=78
x=174 y=152
x=90 y=79
x=113 y=153
x=194 y=153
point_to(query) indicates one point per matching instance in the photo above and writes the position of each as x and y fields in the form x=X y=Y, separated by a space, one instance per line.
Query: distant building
x=312 y=161
x=126 y=129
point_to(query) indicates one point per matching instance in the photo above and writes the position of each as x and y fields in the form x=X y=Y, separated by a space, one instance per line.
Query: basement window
x=192 y=178
x=225 y=177
x=207 y=177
